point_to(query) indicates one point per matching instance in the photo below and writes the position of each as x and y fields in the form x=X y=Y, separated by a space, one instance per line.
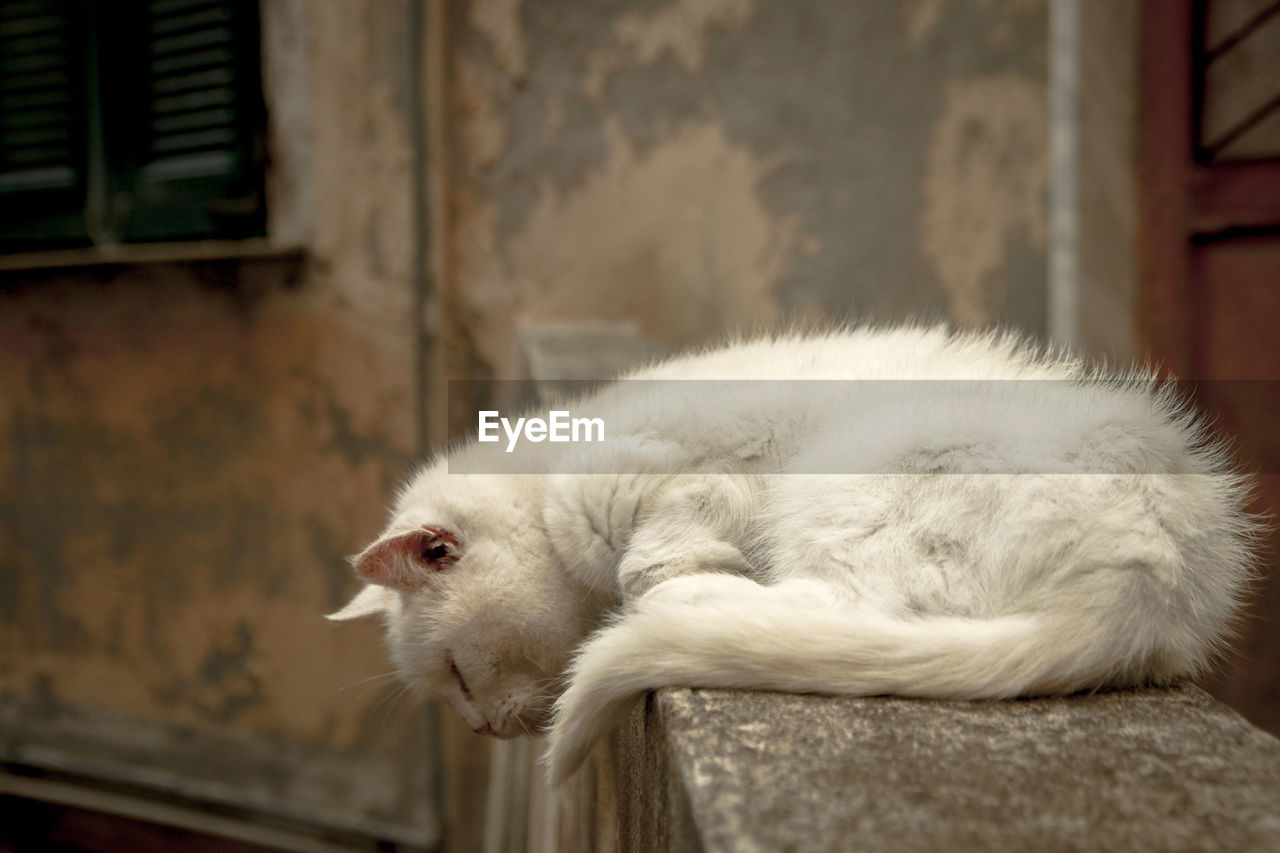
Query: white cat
x=976 y=537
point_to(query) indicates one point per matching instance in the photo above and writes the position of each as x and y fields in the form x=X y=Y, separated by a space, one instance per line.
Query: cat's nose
x=484 y=729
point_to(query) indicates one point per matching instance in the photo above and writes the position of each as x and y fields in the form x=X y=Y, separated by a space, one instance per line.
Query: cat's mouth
x=530 y=717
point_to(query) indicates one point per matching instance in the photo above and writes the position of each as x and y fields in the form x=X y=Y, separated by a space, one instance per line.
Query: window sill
x=133 y=254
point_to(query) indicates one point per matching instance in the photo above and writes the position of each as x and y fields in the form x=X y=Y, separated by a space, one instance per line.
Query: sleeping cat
x=951 y=533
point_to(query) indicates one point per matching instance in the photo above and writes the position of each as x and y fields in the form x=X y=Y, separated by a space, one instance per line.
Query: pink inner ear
x=406 y=560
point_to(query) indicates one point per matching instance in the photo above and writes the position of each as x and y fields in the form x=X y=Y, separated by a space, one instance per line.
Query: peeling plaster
x=1007 y=12
x=675 y=237
x=679 y=28
x=499 y=22
x=553 y=120
x=188 y=461
x=984 y=186
x=921 y=17
x=847 y=134
x=368 y=148
x=485 y=132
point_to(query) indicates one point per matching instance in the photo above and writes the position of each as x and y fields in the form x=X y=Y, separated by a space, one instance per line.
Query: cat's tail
x=797 y=640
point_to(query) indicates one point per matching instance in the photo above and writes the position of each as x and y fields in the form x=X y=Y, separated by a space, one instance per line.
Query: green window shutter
x=43 y=124
x=184 y=118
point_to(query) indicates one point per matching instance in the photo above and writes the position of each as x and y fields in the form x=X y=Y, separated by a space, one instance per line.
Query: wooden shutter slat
x=202 y=117
x=42 y=123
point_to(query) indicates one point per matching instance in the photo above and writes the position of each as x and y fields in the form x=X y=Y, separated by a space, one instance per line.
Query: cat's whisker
x=396 y=704
x=367 y=680
x=553 y=681
x=537 y=664
x=390 y=701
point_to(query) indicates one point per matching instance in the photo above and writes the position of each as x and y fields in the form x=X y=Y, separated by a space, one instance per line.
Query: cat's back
x=759 y=399
x=866 y=353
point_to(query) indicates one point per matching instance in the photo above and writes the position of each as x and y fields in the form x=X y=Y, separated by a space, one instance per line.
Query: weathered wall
x=706 y=165
x=189 y=450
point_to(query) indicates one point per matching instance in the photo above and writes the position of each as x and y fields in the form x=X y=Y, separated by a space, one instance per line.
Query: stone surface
x=1131 y=770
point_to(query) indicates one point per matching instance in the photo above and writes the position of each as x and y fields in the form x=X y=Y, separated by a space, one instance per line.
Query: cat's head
x=477 y=610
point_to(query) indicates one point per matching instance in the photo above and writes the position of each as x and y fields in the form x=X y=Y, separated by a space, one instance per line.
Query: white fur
x=979 y=540
x=370 y=601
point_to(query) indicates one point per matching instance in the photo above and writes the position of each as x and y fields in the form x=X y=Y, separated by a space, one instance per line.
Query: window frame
x=121 y=193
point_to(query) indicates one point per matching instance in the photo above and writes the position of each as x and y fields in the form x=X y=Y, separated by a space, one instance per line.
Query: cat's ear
x=370 y=601
x=406 y=560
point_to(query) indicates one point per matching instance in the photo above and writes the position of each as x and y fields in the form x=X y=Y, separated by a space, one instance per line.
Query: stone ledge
x=722 y=770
